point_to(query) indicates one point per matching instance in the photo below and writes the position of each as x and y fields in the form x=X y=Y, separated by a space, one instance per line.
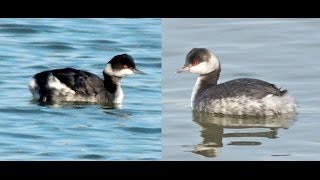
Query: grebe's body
x=68 y=84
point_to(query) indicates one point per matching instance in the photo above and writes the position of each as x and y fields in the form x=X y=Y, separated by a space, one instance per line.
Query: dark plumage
x=82 y=82
x=70 y=84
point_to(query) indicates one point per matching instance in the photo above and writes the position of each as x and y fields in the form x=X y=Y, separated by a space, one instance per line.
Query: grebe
x=68 y=84
x=243 y=96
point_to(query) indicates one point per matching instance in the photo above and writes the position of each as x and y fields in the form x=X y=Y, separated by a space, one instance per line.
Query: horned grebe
x=243 y=96
x=68 y=84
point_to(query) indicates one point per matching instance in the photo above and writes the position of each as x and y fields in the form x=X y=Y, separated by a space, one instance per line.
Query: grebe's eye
x=195 y=63
x=125 y=67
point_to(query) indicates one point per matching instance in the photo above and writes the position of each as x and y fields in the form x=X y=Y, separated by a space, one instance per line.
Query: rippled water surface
x=79 y=132
x=282 y=51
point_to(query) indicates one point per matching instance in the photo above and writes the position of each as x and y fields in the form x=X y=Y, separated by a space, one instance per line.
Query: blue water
x=79 y=132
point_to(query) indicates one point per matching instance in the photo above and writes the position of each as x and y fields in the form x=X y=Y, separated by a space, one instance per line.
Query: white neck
x=118 y=96
x=195 y=90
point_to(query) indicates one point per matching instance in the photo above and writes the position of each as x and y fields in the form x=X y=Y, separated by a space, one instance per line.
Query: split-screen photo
x=159 y=89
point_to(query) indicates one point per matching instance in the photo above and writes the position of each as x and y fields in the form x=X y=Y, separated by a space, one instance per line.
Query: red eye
x=125 y=67
x=195 y=63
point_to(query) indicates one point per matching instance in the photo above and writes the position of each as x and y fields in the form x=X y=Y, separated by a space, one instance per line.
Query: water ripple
x=21 y=135
x=18 y=30
x=143 y=130
x=25 y=28
x=103 y=41
x=55 y=45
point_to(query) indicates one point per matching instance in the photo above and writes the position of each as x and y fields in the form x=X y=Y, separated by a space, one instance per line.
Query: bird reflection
x=110 y=110
x=213 y=127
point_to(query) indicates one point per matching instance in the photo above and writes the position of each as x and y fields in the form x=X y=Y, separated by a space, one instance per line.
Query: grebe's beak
x=137 y=71
x=184 y=69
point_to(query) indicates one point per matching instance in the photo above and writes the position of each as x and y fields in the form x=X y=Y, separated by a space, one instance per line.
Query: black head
x=200 y=61
x=122 y=65
x=196 y=56
x=122 y=61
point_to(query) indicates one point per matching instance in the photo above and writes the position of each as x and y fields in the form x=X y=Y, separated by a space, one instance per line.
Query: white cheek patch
x=201 y=68
x=108 y=70
x=123 y=72
x=206 y=67
x=119 y=73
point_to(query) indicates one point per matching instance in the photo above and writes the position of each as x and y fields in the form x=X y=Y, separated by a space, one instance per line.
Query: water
x=282 y=51
x=79 y=132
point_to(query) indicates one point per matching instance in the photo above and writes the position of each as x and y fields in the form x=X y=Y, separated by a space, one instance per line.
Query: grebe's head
x=121 y=66
x=200 y=61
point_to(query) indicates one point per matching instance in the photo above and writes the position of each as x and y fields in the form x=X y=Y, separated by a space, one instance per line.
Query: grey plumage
x=243 y=96
x=241 y=87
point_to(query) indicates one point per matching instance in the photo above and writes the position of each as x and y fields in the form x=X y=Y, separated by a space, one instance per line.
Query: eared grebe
x=243 y=96
x=68 y=84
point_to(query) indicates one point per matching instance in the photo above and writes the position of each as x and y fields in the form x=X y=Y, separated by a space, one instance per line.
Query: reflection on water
x=213 y=129
x=75 y=104
x=82 y=105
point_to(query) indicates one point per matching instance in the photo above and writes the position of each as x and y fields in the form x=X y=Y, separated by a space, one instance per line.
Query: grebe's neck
x=113 y=86
x=204 y=82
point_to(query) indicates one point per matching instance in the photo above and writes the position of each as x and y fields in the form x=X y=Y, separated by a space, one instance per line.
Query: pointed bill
x=137 y=71
x=184 y=69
